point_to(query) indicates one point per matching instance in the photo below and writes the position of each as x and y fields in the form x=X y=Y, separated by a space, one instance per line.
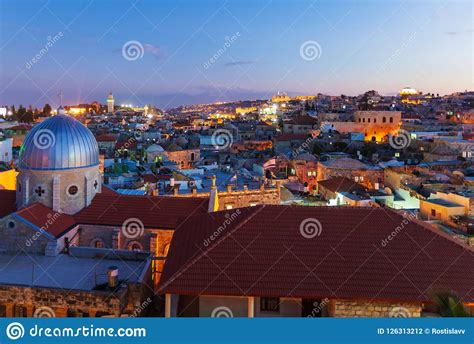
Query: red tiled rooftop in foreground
x=7 y=202
x=262 y=253
x=47 y=219
x=154 y=211
x=341 y=184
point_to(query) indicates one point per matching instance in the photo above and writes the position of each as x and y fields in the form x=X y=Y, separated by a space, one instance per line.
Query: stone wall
x=16 y=236
x=61 y=301
x=352 y=308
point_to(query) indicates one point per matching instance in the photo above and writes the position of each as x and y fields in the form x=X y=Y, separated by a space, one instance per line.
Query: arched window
x=98 y=243
x=384 y=120
x=135 y=246
x=391 y=119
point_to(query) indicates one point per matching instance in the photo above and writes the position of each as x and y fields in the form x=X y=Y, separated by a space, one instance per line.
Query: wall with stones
x=17 y=236
x=352 y=308
x=60 y=301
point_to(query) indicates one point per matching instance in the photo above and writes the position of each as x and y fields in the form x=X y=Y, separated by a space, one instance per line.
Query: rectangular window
x=19 y=311
x=433 y=212
x=270 y=304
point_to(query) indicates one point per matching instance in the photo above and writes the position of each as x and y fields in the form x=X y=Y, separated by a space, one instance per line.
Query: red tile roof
x=7 y=202
x=341 y=184
x=263 y=253
x=154 y=211
x=47 y=219
x=303 y=120
x=106 y=138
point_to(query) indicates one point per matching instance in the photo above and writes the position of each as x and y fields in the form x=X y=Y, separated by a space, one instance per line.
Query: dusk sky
x=381 y=45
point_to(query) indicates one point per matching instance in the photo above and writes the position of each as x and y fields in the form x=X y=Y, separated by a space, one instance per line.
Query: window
x=40 y=191
x=391 y=119
x=433 y=212
x=3 y=311
x=96 y=184
x=135 y=246
x=384 y=120
x=19 y=311
x=19 y=187
x=11 y=224
x=253 y=204
x=368 y=120
x=98 y=243
x=228 y=206
x=73 y=190
x=270 y=304
x=375 y=120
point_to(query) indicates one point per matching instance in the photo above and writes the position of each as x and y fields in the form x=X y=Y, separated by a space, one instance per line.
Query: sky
x=204 y=51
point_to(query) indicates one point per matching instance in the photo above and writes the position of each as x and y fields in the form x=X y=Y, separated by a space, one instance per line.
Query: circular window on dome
x=72 y=190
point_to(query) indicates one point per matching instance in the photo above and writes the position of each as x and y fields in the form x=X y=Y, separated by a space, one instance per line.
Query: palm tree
x=449 y=305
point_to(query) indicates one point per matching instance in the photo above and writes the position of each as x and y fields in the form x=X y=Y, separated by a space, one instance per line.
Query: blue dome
x=59 y=143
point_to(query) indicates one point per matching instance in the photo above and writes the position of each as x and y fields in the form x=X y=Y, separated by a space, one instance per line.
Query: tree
x=47 y=110
x=449 y=305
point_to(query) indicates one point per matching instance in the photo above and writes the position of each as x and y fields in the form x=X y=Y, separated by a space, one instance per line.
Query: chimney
x=171 y=182
x=213 y=181
x=246 y=188
x=112 y=277
x=229 y=188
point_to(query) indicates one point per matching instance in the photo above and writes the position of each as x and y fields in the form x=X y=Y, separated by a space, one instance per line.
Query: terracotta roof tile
x=154 y=211
x=47 y=219
x=262 y=253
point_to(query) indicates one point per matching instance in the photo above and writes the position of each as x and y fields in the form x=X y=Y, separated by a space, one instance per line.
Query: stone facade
x=231 y=199
x=355 y=309
x=66 y=191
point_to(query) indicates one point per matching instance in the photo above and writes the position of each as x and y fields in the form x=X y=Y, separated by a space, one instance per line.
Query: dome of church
x=59 y=143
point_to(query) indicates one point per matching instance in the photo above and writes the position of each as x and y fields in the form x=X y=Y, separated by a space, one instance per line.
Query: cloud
x=238 y=63
x=153 y=49
x=453 y=33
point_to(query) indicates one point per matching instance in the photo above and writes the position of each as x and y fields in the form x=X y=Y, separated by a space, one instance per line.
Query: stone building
x=370 y=176
x=295 y=261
